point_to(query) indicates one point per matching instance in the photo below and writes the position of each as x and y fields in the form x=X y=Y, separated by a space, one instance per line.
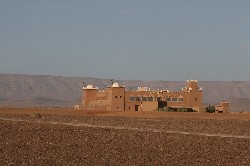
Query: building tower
x=89 y=94
x=116 y=97
x=194 y=95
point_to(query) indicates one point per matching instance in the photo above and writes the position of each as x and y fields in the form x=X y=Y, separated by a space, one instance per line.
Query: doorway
x=136 y=107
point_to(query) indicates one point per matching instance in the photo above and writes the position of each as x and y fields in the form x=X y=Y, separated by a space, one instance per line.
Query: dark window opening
x=144 y=98
x=132 y=98
x=136 y=107
x=195 y=99
x=174 y=99
x=150 y=98
x=137 y=98
x=180 y=99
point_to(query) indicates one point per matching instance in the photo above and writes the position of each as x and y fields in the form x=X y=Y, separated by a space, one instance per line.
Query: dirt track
x=66 y=137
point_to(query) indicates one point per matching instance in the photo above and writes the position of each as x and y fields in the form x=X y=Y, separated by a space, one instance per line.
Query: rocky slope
x=55 y=91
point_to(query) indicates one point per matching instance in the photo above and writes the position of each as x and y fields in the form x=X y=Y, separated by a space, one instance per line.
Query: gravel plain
x=61 y=137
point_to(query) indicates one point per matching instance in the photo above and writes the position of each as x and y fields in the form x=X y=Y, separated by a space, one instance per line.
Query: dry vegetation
x=69 y=137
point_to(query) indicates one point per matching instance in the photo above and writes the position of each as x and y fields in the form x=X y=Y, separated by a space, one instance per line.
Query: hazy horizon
x=127 y=40
x=119 y=80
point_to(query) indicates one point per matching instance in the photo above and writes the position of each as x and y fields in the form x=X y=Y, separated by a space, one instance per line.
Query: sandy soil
x=69 y=137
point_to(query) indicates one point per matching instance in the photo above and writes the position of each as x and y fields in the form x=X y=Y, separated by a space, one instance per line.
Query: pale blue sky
x=127 y=39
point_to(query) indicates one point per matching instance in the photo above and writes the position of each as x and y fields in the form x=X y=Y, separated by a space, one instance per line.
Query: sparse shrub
x=190 y=110
x=165 y=109
x=35 y=115
x=170 y=109
x=182 y=109
x=210 y=109
x=175 y=109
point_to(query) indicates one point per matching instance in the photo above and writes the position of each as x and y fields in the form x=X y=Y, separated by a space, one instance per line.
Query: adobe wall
x=174 y=99
x=98 y=105
x=89 y=95
x=141 y=106
x=102 y=95
x=149 y=106
x=116 y=98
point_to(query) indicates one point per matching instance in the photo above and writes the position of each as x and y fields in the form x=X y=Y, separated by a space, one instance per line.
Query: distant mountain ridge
x=55 y=91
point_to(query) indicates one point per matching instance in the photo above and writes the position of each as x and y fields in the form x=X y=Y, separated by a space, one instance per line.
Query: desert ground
x=74 y=137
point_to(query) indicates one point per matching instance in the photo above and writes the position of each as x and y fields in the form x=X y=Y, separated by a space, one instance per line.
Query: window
x=195 y=99
x=137 y=98
x=136 y=107
x=150 y=98
x=116 y=97
x=168 y=99
x=120 y=97
x=158 y=98
x=144 y=98
x=174 y=99
x=180 y=99
x=132 y=98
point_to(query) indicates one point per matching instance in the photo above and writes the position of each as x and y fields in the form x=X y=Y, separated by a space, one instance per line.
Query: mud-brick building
x=222 y=107
x=116 y=98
